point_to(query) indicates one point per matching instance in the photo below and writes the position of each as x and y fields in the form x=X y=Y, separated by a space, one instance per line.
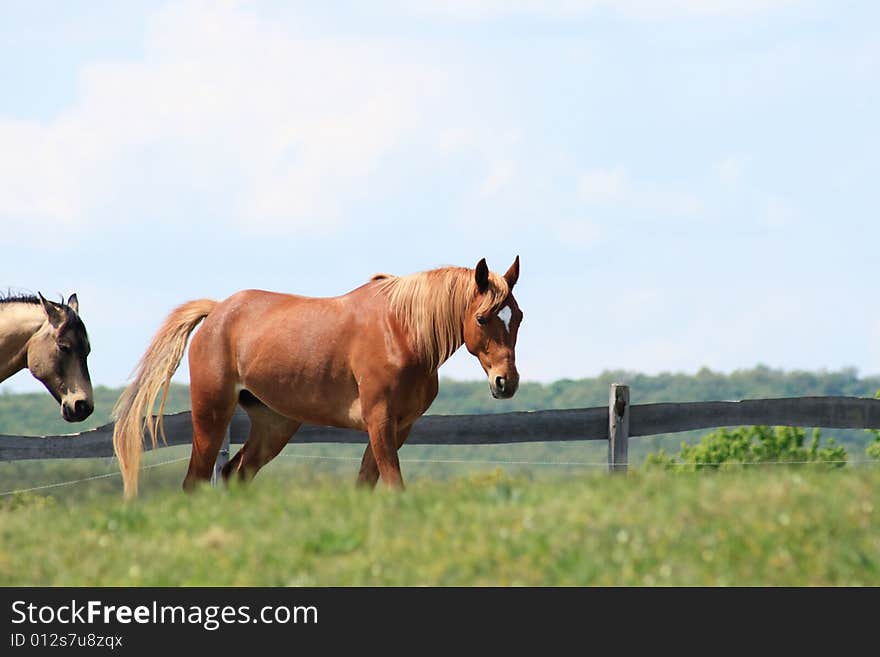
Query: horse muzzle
x=503 y=387
x=78 y=411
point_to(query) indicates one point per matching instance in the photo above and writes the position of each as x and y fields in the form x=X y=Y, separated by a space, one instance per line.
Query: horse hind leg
x=268 y=435
x=212 y=409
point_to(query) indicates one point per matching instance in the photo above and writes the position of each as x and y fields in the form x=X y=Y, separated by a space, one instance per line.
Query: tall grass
x=301 y=525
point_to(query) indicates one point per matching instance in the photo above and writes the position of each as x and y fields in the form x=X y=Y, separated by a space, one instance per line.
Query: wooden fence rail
x=614 y=424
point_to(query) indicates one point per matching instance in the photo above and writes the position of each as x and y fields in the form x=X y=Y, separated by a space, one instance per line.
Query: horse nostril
x=500 y=382
x=82 y=408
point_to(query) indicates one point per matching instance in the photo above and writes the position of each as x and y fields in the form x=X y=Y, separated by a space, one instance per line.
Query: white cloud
x=604 y=185
x=297 y=123
x=36 y=178
x=613 y=187
x=638 y=9
x=501 y=172
x=777 y=213
x=664 y=331
x=730 y=170
x=579 y=233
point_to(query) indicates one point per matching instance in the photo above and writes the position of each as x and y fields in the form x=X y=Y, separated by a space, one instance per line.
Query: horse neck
x=18 y=322
x=431 y=305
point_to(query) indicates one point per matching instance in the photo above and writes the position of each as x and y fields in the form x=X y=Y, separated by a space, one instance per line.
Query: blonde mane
x=431 y=305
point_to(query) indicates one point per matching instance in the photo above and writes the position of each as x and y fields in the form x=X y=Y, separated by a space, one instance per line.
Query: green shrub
x=751 y=445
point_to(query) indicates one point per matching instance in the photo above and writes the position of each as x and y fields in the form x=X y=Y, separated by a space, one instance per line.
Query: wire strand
x=580 y=463
x=92 y=478
x=107 y=475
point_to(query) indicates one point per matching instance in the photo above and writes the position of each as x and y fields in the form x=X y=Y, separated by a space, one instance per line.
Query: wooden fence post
x=222 y=459
x=618 y=428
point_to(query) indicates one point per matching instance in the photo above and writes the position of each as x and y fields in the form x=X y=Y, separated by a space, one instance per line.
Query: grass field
x=301 y=524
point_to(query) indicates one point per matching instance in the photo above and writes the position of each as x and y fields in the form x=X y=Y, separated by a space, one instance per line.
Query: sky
x=687 y=183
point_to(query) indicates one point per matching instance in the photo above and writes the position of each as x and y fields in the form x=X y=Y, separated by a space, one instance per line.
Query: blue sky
x=687 y=183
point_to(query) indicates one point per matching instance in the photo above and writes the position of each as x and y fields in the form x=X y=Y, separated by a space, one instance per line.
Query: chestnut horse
x=50 y=340
x=366 y=360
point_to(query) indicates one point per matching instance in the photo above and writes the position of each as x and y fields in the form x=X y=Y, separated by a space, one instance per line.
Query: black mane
x=19 y=298
x=72 y=319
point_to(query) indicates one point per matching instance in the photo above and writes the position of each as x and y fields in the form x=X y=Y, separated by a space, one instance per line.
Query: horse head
x=56 y=356
x=491 y=324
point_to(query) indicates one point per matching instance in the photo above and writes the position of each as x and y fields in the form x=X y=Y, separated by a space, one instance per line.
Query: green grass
x=299 y=524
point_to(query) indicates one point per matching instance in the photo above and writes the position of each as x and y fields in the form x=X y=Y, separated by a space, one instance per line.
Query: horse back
x=303 y=356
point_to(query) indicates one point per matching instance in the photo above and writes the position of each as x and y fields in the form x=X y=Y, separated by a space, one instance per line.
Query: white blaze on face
x=504 y=315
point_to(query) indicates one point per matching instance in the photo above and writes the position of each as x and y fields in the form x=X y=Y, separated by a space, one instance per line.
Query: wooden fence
x=614 y=423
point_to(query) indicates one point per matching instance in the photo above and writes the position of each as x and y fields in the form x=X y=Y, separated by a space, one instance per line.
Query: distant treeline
x=38 y=414
x=706 y=385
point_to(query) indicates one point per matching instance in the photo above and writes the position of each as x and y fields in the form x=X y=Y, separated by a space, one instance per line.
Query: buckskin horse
x=50 y=340
x=366 y=360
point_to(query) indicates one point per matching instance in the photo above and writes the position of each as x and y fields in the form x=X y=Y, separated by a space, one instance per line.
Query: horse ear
x=54 y=313
x=73 y=302
x=512 y=274
x=481 y=275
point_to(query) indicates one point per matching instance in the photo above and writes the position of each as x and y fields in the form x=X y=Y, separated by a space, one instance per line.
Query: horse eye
x=64 y=347
x=482 y=321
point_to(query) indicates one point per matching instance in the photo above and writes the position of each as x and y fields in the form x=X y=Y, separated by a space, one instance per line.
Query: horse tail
x=152 y=376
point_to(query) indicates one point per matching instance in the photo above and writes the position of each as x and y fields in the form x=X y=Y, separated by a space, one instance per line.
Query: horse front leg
x=369 y=472
x=383 y=443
